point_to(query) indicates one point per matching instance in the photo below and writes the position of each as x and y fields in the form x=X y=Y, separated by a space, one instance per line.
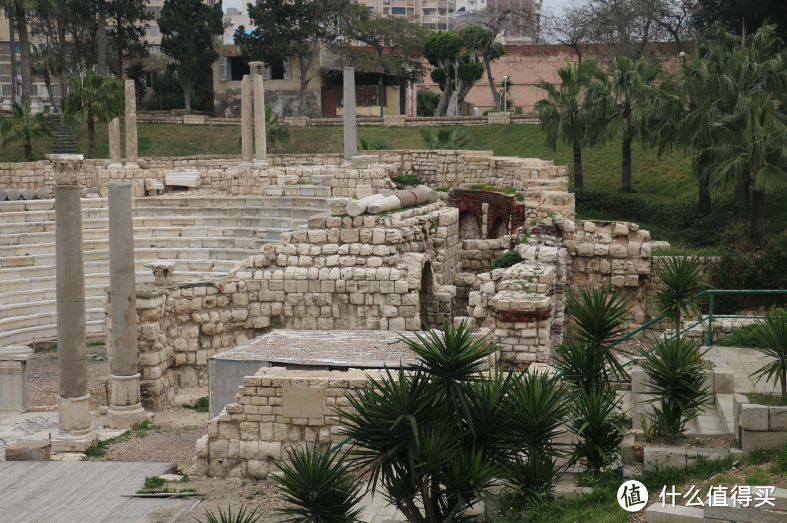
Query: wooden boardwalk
x=80 y=492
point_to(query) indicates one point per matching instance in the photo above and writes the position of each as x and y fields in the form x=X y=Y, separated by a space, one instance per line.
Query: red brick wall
x=500 y=205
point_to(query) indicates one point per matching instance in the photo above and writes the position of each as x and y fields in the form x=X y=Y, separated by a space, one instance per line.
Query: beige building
x=429 y=13
x=10 y=64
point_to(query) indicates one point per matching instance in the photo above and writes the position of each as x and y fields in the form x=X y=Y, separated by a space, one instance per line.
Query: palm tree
x=276 y=133
x=772 y=333
x=445 y=138
x=45 y=64
x=21 y=8
x=93 y=98
x=26 y=128
x=562 y=113
x=628 y=106
x=374 y=144
x=753 y=147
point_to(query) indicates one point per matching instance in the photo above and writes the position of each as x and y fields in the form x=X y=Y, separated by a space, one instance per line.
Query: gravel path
x=160 y=444
x=42 y=375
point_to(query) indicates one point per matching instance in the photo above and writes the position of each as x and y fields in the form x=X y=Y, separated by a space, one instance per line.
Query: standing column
x=260 y=138
x=75 y=433
x=131 y=126
x=245 y=121
x=350 y=134
x=114 y=145
x=125 y=410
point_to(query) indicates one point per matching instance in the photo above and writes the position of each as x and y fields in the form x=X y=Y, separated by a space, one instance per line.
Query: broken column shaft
x=350 y=132
x=260 y=138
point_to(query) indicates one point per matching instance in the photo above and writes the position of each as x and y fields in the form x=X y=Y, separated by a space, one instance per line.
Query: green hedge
x=675 y=214
x=170 y=102
x=507 y=259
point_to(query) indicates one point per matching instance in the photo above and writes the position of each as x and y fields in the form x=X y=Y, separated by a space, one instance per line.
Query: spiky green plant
x=680 y=279
x=374 y=144
x=532 y=480
x=277 y=135
x=676 y=376
x=242 y=516
x=453 y=358
x=600 y=425
x=26 y=128
x=581 y=365
x=93 y=98
x=772 y=333
x=319 y=487
x=445 y=138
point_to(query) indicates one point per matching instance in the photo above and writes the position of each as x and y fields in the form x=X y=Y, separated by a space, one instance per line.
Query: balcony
x=426 y=4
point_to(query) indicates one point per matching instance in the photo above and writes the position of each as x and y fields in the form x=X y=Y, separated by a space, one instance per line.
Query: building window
x=398 y=11
x=18 y=50
x=154 y=30
x=155 y=49
x=386 y=10
x=279 y=71
x=155 y=11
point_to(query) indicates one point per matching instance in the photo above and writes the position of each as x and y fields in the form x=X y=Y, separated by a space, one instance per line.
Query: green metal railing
x=711 y=317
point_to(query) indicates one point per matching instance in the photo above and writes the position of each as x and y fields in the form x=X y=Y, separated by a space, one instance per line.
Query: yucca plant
x=772 y=333
x=676 y=377
x=600 y=425
x=319 y=487
x=453 y=359
x=533 y=480
x=374 y=144
x=581 y=365
x=445 y=138
x=680 y=279
x=487 y=415
x=242 y=516
x=598 y=318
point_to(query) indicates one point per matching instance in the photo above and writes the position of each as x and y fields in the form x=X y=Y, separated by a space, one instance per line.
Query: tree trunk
x=579 y=180
x=28 y=152
x=304 y=67
x=742 y=201
x=61 y=36
x=757 y=235
x=12 y=41
x=627 y=164
x=24 y=47
x=704 y=202
x=48 y=82
x=495 y=94
x=444 y=97
x=186 y=84
x=102 y=37
x=91 y=138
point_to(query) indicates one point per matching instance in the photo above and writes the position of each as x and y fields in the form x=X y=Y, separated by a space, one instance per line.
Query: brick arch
x=500 y=207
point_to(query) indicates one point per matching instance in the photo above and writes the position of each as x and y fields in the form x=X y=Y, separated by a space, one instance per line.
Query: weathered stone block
x=754 y=417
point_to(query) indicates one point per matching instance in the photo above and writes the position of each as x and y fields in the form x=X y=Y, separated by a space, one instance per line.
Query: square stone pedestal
x=14 y=390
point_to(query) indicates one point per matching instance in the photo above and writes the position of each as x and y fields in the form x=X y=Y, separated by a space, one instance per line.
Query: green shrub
x=408 y=179
x=518 y=110
x=675 y=214
x=152 y=482
x=242 y=516
x=507 y=259
x=374 y=144
x=745 y=337
x=170 y=102
x=600 y=426
x=201 y=405
x=94 y=451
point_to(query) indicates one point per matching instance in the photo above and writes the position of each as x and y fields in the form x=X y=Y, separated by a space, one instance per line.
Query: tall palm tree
x=21 y=8
x=629 y=115
x=563 y=114
x=26 y=128
x=93 y=98
x=45 y=64
x=753 y=146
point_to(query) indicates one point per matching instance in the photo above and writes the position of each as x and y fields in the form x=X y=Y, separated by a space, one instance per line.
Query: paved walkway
x=743 y=362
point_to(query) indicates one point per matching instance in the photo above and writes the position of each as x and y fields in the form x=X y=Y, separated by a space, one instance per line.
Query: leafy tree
x=128 y=19
x=102 y=38
x=46 y=64
x=443 y=49
x=93 y=98
x=735 y=15
x=628 y=107
x=188 y=28
x=292 y=29
x=397 y=44
x=563 y=114
x=26 y=128
x=21 y=10
x=136 y=72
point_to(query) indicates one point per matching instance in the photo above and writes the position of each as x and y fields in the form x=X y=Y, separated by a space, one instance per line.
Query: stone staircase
x=205 y=235
x=63 y=141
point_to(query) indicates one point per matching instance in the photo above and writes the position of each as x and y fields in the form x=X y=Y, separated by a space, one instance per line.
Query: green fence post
x=710 y=320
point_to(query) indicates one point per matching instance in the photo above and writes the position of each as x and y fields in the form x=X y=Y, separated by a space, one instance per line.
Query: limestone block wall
x=477 y=255
x=276 y=410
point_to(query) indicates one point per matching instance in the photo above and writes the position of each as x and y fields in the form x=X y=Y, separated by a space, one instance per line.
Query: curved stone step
x=28 y=334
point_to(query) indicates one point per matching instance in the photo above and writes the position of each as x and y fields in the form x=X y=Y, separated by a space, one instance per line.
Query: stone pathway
x=743 y=362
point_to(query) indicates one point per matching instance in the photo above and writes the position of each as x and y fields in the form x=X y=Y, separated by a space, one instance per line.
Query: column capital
x=257 y=67
x=66 y=167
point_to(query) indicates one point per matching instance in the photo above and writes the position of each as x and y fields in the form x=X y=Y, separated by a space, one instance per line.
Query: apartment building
x=433 y=14
x=10 y=64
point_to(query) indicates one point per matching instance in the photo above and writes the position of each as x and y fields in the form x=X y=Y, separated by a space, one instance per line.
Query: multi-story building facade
x=434 y=14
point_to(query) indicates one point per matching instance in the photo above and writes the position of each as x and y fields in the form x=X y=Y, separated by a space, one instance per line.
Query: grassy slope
x=669 y=176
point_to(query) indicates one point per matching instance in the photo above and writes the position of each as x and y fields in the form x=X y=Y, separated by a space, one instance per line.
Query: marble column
x=125 y=410
x=75 y=433
x=114 y=145
x=246 y=121
x=131 y=126
x=350 y=132
x=260 y=138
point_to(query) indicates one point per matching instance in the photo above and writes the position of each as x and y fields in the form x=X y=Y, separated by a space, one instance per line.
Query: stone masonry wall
x=255 y=432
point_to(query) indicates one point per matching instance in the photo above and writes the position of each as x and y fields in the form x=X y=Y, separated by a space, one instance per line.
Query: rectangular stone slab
x=182 y=179
x=303 y=402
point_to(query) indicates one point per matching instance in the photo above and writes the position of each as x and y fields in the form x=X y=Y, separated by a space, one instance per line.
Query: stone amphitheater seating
x=204 y=235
